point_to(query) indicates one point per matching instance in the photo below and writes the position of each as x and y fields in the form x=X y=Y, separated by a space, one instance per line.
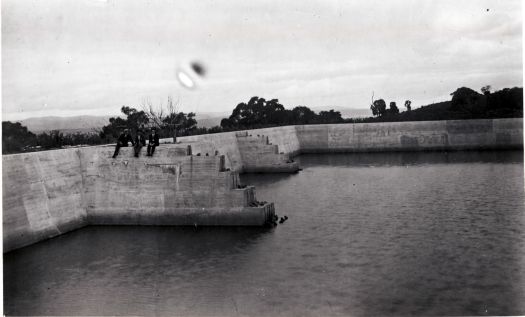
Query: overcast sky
x=90 y=57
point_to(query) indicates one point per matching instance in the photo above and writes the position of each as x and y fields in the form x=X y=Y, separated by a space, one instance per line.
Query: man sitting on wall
x=122 y=141
x=153 y=141
x=140 y=141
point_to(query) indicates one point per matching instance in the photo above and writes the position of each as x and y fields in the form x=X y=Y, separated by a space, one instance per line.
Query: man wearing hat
x=122 y=141
x=153 y=141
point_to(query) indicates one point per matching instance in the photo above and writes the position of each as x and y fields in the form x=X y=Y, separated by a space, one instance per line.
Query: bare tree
x=162 y=116
x=372 y=107
x=407 y=105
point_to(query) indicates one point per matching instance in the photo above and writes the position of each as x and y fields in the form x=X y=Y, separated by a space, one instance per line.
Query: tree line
x=16 y=138
x=465 y=104
x=168 y=121
x=259 y=112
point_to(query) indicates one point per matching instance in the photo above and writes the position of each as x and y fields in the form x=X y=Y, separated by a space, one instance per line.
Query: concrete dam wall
x=484 y=134
x=251 y=151
x=196 y=182
x=52 y=192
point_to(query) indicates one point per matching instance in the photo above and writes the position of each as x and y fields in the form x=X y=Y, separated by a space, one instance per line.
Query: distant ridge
x=65 y=124
x=345 y=112
x=85 y=124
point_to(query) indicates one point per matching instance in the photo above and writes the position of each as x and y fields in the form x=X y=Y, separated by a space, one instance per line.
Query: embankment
x=489 y=134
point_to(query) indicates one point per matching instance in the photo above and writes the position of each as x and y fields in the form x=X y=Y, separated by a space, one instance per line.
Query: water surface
x=368 y=234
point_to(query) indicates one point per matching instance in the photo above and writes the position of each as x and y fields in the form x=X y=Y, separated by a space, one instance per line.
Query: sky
x=91 y=57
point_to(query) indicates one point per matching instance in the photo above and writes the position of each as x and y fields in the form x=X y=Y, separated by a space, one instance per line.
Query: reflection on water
x=128 y=270
x=368 y=234
x=410 y=158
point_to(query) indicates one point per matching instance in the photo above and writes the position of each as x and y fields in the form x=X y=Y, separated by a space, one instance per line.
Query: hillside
x=83 y=124
x=210 y=119
x=87 y=124
x=465 y=104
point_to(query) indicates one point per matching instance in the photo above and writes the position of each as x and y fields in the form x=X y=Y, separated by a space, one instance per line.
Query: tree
x=181 y=123
x=378 y=108
x=16 y=137
x=329 y=117
x=467 y=101
x=134 y=120
x=227 y=124
x=168 y=120
x=407 y=105
x=303 y=115
x=274 y=113
x=243 y=114
x=505 y=103
x=54 y=140
x=257 y=112
x=157 y=116
x=486 y=90
x=215 y=129
x=393 y=108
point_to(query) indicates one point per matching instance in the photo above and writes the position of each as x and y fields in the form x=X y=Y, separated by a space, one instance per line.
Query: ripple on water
x=418 y=233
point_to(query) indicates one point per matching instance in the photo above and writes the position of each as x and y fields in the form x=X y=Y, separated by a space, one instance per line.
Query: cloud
x=90 y=55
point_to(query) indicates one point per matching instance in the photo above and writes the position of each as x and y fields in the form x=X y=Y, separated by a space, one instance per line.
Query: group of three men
x=138 y=142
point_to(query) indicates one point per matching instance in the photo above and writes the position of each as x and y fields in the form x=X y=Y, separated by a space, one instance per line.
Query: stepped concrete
x=447 y=135
x=259 y=156
x=51 y=192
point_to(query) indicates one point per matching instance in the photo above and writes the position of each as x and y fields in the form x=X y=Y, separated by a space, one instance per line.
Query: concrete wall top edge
x=103 y=148
x=498 y=124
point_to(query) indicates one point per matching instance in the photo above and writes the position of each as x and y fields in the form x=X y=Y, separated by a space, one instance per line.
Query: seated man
x=153 y=141
x=122 y=141
x=140 y=141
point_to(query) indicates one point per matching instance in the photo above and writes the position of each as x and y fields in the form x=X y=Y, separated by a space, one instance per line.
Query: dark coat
x=123 y=139
x=154 y=139
x=140 y=139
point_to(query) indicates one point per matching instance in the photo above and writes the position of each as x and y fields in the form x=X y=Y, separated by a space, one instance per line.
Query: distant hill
x=346 y=112
x=435 y=111
x=65 y=124
x=85 y=124
x=210 y=119
x=465 y=104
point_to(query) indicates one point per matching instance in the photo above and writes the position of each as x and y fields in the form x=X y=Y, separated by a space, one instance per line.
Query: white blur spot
x=98 y=3
x=185 y=80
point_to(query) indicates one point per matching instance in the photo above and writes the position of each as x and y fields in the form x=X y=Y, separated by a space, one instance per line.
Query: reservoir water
x=367 y=234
